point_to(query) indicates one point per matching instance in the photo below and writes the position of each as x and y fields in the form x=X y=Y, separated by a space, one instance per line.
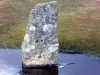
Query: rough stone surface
x=40 y=45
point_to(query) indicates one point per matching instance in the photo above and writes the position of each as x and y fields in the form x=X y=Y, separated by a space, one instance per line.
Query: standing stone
x=40 y=45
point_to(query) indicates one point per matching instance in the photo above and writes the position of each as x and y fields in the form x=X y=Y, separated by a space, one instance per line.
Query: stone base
x=40 y=66
x=39 y=71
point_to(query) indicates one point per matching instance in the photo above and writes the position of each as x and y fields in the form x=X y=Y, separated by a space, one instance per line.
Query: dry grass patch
x=91 y=5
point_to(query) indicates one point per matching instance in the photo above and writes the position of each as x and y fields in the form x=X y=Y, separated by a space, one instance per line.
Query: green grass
x=77 y=29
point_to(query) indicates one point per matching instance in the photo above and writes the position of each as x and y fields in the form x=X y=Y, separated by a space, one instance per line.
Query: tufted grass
x=78 y=28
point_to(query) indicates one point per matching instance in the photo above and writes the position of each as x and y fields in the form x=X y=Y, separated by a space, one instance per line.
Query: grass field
x=78 y=24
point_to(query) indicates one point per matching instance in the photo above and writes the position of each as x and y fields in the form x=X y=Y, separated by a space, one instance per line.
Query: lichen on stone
x=32 y=28
x=26 y=38
x=51 y=49
x=47 y=28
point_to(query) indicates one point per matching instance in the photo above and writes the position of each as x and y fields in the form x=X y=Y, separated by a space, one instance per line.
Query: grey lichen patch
x=47 y=28
x=32 y=47
x=40 y=45
x=32 y=28
x=26 y=38
x=56 y=46
x=27 y=50
x=51 y=49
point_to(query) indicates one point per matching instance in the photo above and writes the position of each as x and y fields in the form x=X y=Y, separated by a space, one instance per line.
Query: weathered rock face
x=40 y=45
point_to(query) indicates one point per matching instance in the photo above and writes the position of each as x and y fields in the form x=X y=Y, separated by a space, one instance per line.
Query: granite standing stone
x=40 y=45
